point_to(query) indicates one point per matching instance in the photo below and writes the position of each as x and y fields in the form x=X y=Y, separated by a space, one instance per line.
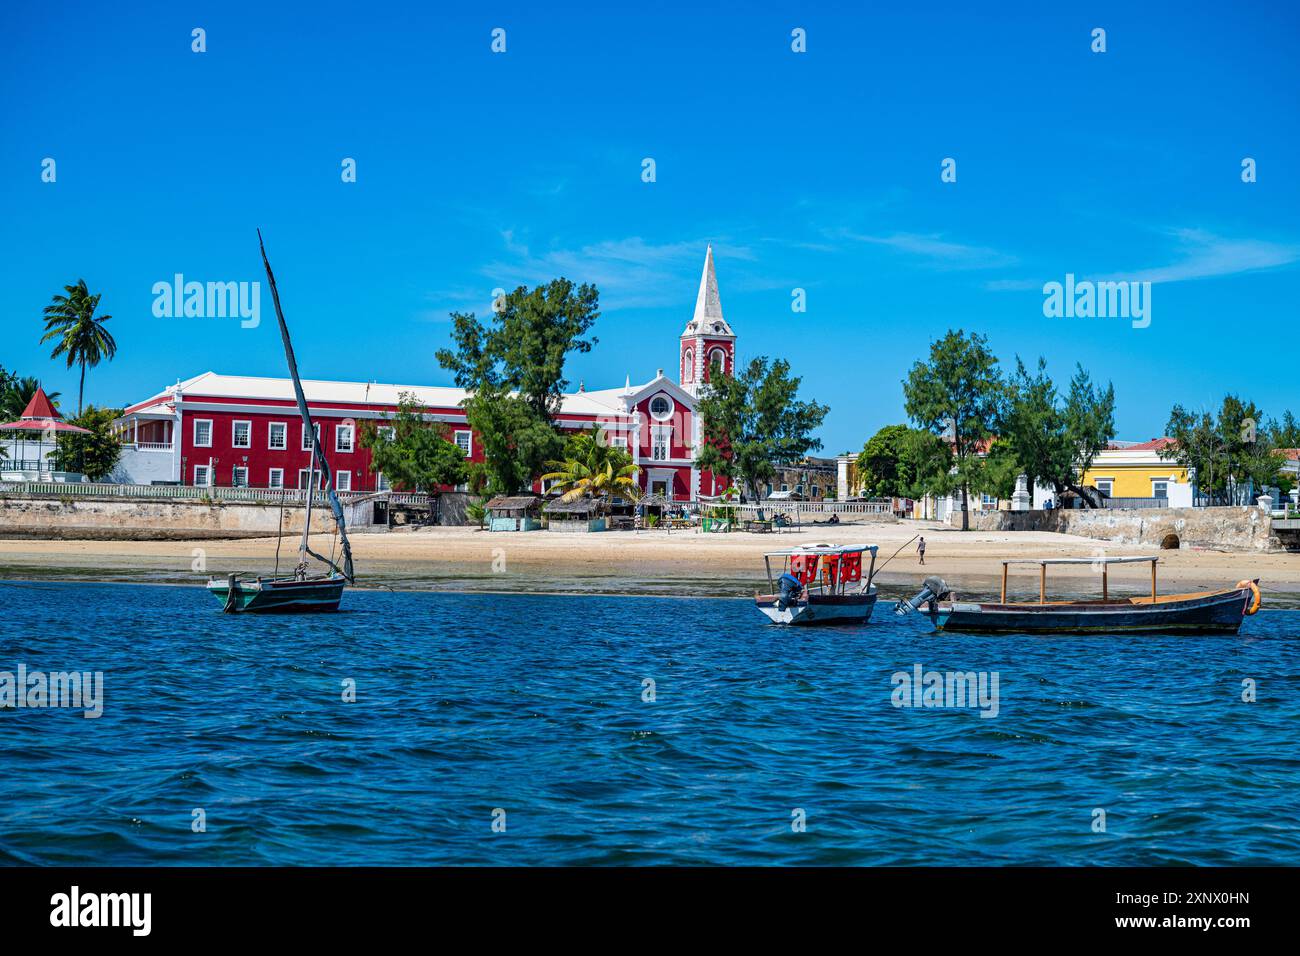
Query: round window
x=661 y=407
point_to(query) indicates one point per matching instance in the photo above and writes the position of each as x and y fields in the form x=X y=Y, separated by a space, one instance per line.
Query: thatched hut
x=582 y=514
x=514 y=513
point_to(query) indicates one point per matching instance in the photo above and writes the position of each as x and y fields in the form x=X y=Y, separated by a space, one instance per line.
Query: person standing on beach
x=920 y=549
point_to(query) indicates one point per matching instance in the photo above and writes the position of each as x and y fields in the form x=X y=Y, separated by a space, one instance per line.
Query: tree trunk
x=81 y=388
x=1085 y=494
x=965 y=509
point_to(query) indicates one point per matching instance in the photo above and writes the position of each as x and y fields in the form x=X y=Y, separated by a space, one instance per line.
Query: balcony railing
x=149 y=445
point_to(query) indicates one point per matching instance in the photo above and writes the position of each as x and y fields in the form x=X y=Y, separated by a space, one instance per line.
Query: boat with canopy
x=1198 y=612
x=301 y=591
x=819 y=584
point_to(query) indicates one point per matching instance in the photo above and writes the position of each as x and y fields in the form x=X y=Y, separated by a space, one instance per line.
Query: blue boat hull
x=1218 y=612
x=280 y=595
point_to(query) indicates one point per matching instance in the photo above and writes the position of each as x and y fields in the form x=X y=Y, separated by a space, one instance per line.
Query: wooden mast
x=318 y=455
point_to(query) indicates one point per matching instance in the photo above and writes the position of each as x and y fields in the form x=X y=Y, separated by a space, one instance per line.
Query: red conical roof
x=40 y=406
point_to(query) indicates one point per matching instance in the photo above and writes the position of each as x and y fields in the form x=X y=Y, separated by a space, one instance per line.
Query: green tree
x=1056 y=441
x=958 y=394
x=1285 y=433
x=996 y=472
x=926 y=465
x=513 y=369
x=418 y=454
x=80 y=334
x=96 y=454
x=477 y=512
x=516 y=442
x=898 y=461
x=754 y=422
x=1234 y=457
x=880 y=463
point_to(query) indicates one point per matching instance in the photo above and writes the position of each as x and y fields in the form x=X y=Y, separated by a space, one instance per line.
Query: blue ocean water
x=470 y=704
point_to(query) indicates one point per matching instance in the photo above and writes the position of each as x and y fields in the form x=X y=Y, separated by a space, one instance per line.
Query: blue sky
x=818 y=171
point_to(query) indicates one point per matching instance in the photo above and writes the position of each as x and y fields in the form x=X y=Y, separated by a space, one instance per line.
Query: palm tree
x=81 y=334
x=594 y=469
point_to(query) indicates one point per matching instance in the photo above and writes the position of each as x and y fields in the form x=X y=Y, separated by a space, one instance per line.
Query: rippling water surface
x=533 y=704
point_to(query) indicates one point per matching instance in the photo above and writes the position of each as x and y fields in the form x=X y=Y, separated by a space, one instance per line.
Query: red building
x=224 y=430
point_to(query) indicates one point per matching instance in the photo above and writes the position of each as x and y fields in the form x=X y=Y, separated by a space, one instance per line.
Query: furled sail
x=317 y=454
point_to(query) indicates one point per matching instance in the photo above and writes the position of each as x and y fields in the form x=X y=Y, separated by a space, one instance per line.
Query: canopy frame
x=1104 y=561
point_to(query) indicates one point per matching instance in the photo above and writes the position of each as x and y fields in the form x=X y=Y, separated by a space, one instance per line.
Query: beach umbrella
x=40 y=416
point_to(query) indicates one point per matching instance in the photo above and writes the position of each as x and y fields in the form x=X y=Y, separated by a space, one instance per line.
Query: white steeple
x=708 y=318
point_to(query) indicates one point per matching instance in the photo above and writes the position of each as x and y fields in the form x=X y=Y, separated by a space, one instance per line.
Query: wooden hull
x=281 y=595
x=1215 y=612
x=819 y=609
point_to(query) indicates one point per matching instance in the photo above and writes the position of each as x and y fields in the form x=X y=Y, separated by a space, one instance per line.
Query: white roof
x=603 y=402
x=823 y=549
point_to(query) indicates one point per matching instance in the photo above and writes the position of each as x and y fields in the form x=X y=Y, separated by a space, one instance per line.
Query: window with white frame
x=988 y=500
x=688 y=365
x=1159 y=489
x=203 y=433
x=381 y=483
x=306 y=436
x=718 y=357
x=343 y=435
x=387 y=432
x=464 y=439
x=241 y=434
x=304 y=476
x=203 y=475
x=239 y=476
x=275 y=478
x=343 y=480
x=276 y=436
x=1104 y=485
x=661 y=442
x=661 y=407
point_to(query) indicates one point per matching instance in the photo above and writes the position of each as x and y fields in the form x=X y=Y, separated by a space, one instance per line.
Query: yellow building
x=1136 y=470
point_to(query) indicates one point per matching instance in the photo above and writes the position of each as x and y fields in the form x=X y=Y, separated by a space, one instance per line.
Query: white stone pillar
x=1020 y=498
x=842 y=463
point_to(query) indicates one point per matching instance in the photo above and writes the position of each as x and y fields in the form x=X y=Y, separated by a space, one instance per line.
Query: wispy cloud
x=936 y=250
x=630 y=272
x=1197 y=254
x=1203 y=255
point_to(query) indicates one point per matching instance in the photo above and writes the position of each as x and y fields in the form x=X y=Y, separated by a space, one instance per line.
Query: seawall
x=1239 y=528
x=115 y=519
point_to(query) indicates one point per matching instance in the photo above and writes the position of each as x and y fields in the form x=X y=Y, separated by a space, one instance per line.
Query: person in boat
x=791 y=590
x=920 y=549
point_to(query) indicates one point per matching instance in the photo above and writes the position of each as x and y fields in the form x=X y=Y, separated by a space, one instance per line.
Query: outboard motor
x=933 y=589
x=791 y=590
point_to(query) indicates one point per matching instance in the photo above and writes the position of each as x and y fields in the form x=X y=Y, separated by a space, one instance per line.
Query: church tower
x=708 y=339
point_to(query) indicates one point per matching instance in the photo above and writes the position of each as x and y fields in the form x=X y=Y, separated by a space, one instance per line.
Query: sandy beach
x=654 y=562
